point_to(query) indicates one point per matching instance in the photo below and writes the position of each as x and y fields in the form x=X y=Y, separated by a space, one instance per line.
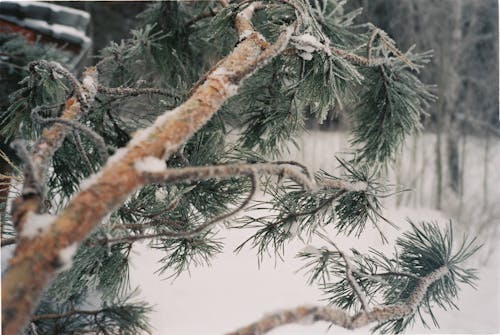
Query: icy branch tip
x=150 y=164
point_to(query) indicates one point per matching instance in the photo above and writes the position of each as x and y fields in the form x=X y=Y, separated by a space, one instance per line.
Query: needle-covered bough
x=236 y=79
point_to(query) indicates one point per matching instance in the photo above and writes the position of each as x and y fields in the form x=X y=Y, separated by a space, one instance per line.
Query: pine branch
x=190 y=174
x=65 y=315
x=36 y=260
x=134 y=91
x=76 y=126
x=352 y=281
x=340 y=318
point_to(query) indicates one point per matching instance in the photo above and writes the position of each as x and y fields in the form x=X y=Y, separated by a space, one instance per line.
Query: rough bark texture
x=36 y=260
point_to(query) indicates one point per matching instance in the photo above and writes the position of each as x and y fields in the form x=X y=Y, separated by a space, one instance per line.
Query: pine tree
x=171 y=134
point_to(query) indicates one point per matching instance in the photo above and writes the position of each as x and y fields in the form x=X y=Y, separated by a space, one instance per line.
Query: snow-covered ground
x=234 y=291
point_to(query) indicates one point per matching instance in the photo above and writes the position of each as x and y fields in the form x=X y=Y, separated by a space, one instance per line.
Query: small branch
x=352 y=281
x=79 y=147
x=96 y=138
x=52 y=138
x=184 y=235
x=339 y=317
x=395 y=274
x=133 y=91
x=64 y=315
x=190 y=174
x=203 y=15
x=76 y=86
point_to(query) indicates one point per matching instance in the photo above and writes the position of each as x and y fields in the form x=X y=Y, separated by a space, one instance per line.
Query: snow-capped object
x=219 y=74
x=150 y=164
x=160 y=195
x=36 y=224
x=66 y=256
x=244 y=34
x=307 y=44
x=89 y=181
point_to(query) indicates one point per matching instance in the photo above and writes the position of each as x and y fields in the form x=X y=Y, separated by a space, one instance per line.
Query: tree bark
x=37 y=260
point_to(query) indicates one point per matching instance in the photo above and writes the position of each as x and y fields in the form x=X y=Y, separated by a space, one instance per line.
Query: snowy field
x=234 y=291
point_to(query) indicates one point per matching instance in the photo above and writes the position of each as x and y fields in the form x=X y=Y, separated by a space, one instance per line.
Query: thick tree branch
x=339 y=317
x=36 y=260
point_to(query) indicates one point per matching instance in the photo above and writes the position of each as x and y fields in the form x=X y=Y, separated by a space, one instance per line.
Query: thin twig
x=190 y=174
x=96 y=138
x=76 y=86
x=183 y=235
x=64 y=315
x=79 y=147
x=352 y=281
x=134 y=91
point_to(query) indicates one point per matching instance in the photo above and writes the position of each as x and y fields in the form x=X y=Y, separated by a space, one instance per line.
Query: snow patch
x=247 y=12
x=222 y=75
x=359 y=186
x=36 y=224
x=66 y=256
x=160 y=195
x=143 y=134
x=307 y=44
x=244 y=34
x=117 y=156
x=90 y=84
x=150 y=164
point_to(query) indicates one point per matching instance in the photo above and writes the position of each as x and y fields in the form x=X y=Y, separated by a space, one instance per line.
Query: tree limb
x=36 y=260
x=339 y=317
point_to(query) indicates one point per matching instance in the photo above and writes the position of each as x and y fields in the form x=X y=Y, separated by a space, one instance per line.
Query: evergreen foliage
x=324 y=68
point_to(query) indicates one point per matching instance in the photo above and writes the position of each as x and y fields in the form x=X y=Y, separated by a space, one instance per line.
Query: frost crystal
x=36 y=224
x=150 y=164
x=65 y=257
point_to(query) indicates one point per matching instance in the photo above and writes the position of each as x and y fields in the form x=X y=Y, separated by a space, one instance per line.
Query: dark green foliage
x=292 y=211
x=119 y=316
x=95 y=266
x=181 y=254
x=389 y=110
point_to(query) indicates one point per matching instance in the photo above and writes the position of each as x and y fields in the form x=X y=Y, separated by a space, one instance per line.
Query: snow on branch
x=342 y=319
x=119 y=177
x=133 y=91
x=36 y=224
